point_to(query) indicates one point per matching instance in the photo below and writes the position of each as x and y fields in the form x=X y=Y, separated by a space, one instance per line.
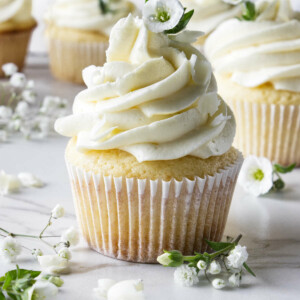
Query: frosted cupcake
x=16 y=26
x=208 y=14
x=78 y=33
x=258 y=72
x=150 y=157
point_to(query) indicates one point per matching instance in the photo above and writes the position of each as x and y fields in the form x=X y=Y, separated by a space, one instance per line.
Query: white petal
x=127 y=290
x=103 y=286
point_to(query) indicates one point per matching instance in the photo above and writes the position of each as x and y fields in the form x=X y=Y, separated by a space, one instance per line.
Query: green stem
x=48 y=224
x=214 y=255
x=236 y=241
x=207 y=277
x=189 y=258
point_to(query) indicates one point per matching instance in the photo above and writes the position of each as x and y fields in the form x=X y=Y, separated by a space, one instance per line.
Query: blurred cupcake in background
x=208 y=14
x=257 y=63
x=16 y=26
x=78 y=32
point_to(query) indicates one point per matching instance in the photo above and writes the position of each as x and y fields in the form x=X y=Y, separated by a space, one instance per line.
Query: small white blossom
x=186 y=276
x=53 y=264
x=237 y=257
x=103 y=286
x=164 y=259
x=37 y=252
x=201 y=265
x=214 y=268
x=234 y=280
x=65 y=253
x=161 y=15
x=127 y=289
x=256 y=175
x=233 y=2
x=30 y=84
x=3 y=136
x=29 y=96
x=71 y=235
x=51 y=104
x=5 y=113
x=218 y=283
x=58 y=212
x=9 y=249
x=14 y=125
x=22 y=109
x=56 y=280
x=8 y=183
x=9 y=69
x=42 y=290
x=30 y=180
x=18 y=80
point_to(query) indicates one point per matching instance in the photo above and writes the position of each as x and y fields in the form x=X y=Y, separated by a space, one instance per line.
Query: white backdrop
x=38 y=43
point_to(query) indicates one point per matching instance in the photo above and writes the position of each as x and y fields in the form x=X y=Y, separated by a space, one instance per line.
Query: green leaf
x=103 y=6
x=249 y=269
x=2 y=297
x=249 y=11
x=9 y=276
x=181 y=24
x=282 y=169
x=217 y=246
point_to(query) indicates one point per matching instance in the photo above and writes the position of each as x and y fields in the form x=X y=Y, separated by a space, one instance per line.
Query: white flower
x=234 y=280
x=201 y=265
x=9 y=249
x=42 y=290
x=233 y=2
x=53 y=264
x=161 y=15
x=186 y=276
x=214 y=268
x=103 y=286
x=218 y=283
x=237 y=257
x=30 y=84
x=22 y=109
x=14 y=125
x=164 y=259
x=71 y=235
x=37 y=252
x=3 y=136
x=58 y=212
x=128 y=289
x=29 y=180
x=5 y=113
x=8 y=183
x=65 y=253
x=256 y=175
x=18 y=80
x=51 y=104
x=29 y=96
x=9 y=69
x=56 y=280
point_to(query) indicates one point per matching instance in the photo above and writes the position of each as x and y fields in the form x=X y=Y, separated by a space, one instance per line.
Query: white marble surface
x=270 y=225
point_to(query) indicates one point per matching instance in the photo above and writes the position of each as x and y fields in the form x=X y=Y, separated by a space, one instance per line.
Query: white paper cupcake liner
x=268 y=130
x=68 y=59
x=136 y=219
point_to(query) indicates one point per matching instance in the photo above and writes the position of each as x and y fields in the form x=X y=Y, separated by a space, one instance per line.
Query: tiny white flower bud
x=29 y=180
x=8 y=183
x=58 y=212
x=37 y=252
x=201 y=265
x=9 y=69
x=71 y=235
x=218 y=283
x=234 y=280
x=65 y=253
x=18 y=80
x=10 y=248
x=214 y=268
x=237 y=257
x=29 y=96
x=164 y=259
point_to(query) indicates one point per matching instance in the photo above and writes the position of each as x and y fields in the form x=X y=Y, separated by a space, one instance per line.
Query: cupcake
x=16 y=26
x=150 y=158
x=257 y=67
x=208 y=14
x=78 y=32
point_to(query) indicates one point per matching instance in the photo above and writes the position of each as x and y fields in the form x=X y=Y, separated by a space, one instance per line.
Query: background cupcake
x=150 y=159
x=16 y=25
x=257 y=64
x=208 y=14
x=78 y=33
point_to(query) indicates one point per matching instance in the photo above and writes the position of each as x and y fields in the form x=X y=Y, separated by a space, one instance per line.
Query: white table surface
x=270 y=225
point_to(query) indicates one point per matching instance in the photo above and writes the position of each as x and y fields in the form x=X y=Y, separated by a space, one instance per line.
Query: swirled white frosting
x=15 y=10
x=263 y=51
x=208 y=14
x=87 y=15
x=154 y=98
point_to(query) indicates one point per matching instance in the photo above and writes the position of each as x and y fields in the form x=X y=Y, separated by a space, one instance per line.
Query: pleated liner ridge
x=136 y=219
x=268 y=130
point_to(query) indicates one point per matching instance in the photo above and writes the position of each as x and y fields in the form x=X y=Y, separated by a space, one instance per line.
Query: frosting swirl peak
x=156 y=99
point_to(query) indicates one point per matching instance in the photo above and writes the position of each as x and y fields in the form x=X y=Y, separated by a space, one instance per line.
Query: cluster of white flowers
x=22 y=112
x=127 y=289
x=12 y=184
x=186 y=276
x=10 y=248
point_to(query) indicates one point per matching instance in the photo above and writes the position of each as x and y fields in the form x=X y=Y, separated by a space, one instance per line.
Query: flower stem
x=236 y=241
x=188 y=258
x=48 y=224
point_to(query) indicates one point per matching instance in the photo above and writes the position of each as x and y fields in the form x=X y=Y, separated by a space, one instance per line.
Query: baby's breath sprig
x=228 y=258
